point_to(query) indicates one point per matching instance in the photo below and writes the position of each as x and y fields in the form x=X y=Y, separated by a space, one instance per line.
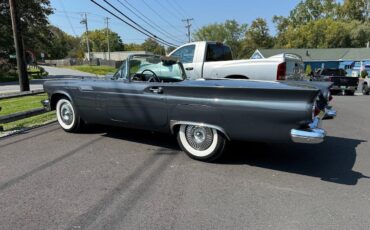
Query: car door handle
x=157 y=90
x=189 y=68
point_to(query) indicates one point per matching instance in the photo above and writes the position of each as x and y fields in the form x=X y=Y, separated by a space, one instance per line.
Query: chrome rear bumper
x=311 y=135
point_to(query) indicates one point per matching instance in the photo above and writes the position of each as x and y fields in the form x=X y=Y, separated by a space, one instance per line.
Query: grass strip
x=30 y=122
x=21 y=104
x=98 y=70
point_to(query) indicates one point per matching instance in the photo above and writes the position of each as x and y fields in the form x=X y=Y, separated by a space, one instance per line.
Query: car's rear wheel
x=365 y=89
x=201 y=142
x=67 y=117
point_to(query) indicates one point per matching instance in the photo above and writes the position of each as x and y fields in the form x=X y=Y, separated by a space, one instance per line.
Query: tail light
x=317 y=111
x=329 y=97
x=281 y=72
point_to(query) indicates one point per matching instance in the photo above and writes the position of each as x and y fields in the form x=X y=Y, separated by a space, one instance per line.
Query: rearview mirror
x=169 y=60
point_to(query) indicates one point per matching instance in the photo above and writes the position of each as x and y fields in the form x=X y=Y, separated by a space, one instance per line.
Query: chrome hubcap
x=199 y=138
x=66 y=113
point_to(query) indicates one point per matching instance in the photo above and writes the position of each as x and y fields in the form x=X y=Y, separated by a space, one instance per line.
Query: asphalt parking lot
x=108 y=178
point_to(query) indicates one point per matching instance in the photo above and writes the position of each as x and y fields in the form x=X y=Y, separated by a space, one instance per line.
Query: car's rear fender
x=244 y=114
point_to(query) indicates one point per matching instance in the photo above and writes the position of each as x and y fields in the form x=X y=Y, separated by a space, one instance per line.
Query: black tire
x=365 y=89
x=201 y=143
x=350 y=93
x=335 y=92
x=67 y=116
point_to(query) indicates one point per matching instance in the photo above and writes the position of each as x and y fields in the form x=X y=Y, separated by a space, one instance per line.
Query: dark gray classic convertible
x=150 y=92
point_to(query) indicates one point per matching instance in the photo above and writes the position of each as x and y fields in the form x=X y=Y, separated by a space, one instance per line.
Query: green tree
x=62 y=45
x=153 y=46
x=98 y=41
x=230 y=32
x=322 y=33
x=257 y=36
x=34 y=24
x=169 y=49
x=133 y=47
x=323 y=24
x=354 y=10
x=360 y=33
x=310 y=10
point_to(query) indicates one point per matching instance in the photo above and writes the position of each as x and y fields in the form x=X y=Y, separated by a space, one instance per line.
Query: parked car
x=205 y=59
x=341 y=83
x=366 y=86
x=153 y=93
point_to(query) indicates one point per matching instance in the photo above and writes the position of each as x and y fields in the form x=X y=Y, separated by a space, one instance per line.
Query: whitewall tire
x=201 y=142
x=67 y=117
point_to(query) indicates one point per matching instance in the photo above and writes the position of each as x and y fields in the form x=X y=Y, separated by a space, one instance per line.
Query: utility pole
x=24 y=84
x=188 y=26
x=84 y=21
x=367 y=9
x=107 y=22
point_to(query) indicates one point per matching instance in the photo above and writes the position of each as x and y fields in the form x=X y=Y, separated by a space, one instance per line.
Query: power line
x=167 y=9
x=68 y=19
x=132 y=21
x=135 y=28
x=176 y=9
x=181 y=9
x=160 y=16
x=80 y=12
x=148 y=21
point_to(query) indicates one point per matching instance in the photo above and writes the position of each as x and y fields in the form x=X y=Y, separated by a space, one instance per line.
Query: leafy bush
x=364 y=74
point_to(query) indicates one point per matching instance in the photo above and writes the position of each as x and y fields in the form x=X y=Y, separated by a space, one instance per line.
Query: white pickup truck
x=215 y=60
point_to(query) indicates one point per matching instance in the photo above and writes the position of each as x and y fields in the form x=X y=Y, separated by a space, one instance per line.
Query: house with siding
x=350 y=59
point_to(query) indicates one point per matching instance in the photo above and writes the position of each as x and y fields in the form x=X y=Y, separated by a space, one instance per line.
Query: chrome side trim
x=173 y=123
x=311 y=135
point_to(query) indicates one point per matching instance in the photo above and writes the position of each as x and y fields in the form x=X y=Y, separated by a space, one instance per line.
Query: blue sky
x=166 y=14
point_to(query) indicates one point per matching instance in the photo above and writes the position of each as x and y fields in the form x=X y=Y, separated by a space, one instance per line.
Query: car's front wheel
x=67 y=117
x=201 y=142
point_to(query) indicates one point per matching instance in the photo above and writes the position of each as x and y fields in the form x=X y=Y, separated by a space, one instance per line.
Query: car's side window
x=186 y=54
x=121 y=73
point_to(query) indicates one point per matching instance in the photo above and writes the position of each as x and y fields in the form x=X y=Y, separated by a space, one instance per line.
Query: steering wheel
x=155 y=77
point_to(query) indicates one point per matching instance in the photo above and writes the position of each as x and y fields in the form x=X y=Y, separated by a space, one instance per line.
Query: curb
x=21 y=94
x=6 y=134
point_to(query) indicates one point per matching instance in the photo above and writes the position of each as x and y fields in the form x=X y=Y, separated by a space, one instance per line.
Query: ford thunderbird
x=152 y=92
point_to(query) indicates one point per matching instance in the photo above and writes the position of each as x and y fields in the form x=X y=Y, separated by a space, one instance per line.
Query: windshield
x=166 y=69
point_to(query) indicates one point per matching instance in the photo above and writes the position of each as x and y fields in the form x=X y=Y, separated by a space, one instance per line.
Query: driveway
x=54 y=72
x=115 y=178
